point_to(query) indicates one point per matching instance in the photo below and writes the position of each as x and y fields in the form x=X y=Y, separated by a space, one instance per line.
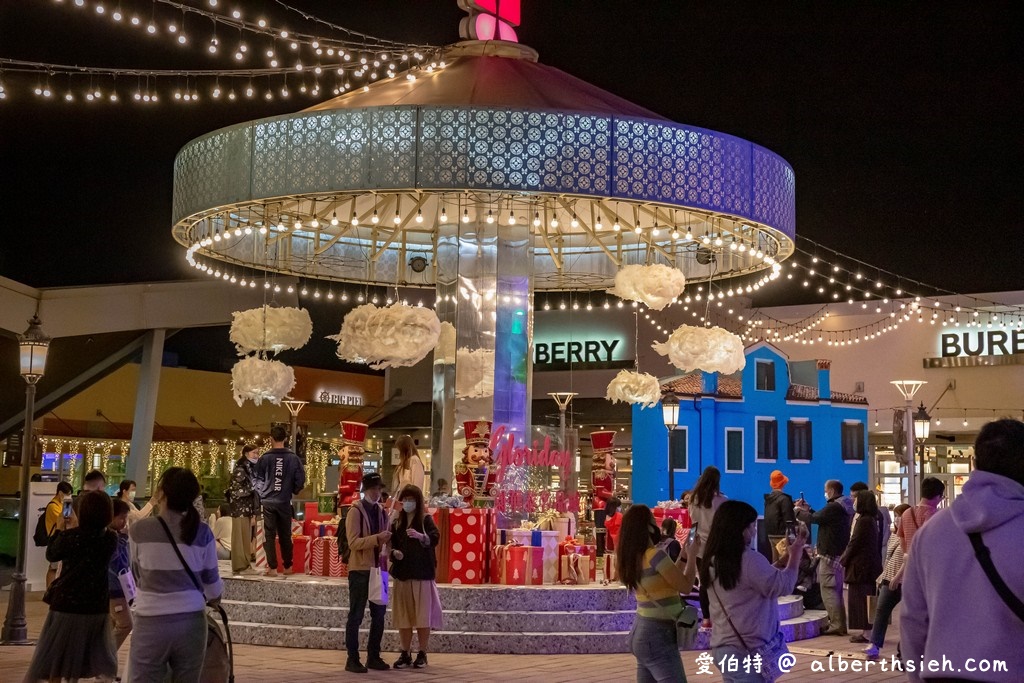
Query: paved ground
x=285 y=665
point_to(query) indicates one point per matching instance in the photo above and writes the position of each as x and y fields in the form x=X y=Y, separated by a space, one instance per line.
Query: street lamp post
x=908 y=388
x=294 y=408
x=33 y=345
x=670 y=416
x=922 y=426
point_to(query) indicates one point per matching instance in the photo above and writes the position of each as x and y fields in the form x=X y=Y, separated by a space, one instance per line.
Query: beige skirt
x=415 y=604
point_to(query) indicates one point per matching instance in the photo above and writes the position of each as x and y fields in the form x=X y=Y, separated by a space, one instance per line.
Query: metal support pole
x=671 y=474
x=15 y=624
x=137 y=467
x=913 y=485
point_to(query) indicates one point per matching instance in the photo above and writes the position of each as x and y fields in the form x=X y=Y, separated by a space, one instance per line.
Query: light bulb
x=554 y=222
x=397 y=219
x=599 y=225
x=536 y=220
x=375 y=219
x=314 y=223
x=334 y=218
x=574 y=222
x=689 y=234
x=465 y=215
x=444 y=215
x=616 y=226
x=675 y=234
x=638 y=229
x=355 y=219
x=419 y=216
x=511 y=218
x=490 y=216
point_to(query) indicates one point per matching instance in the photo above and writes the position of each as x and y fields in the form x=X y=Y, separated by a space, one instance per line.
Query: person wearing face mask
x=368 y=536
x=646 y=569
x=415 y=601
x=241 y=494
x=55 y=522
x=126 y=491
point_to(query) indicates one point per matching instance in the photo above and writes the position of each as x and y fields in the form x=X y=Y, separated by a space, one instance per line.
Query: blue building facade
x=774 y=414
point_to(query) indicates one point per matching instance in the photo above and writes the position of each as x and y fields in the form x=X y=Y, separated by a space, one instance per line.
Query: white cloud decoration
x=635 y=388
x=655 y=286
x=474 y=373
x=270 y=328
x=391 y=337
x=259 y=380
x=444 y=354
x=710 y=349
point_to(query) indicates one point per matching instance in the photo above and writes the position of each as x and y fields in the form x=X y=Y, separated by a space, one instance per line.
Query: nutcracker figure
x=353 y=438
x=602 y=476
x=476 y=475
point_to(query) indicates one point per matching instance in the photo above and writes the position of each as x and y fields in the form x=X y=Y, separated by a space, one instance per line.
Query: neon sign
x=490 y=20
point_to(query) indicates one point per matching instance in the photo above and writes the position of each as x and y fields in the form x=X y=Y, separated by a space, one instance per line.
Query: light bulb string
x=323 y=22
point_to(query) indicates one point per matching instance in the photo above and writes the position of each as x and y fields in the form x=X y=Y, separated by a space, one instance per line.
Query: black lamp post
x=33 y=345
x=670 y=416
x=922 y=427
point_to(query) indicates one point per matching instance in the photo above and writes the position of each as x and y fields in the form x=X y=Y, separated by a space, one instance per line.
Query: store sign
x=599 y=352
x=337 y=399
x=994 y=342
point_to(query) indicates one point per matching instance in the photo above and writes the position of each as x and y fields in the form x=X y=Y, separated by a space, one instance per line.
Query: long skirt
x=857 y=616
x=416 y=604
x=74 y=646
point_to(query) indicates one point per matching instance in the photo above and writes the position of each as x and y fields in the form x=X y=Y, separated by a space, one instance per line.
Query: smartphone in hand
x=692 y=535
x=791 y=532
x=67 y=509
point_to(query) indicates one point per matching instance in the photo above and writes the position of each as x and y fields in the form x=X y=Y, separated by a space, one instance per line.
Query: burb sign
x=994 y=342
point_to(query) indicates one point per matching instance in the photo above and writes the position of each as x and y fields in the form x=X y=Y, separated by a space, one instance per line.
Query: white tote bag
x=127 y=581
x=378 y=586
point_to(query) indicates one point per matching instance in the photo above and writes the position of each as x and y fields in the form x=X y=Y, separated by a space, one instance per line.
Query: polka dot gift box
x=469 y=545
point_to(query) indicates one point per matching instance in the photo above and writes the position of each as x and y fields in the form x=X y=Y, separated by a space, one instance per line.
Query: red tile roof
x=731 y=387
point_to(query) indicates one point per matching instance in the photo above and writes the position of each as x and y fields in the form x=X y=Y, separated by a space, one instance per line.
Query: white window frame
x=757 y=438
x=764 y=361
x=725 y=460
x=803 y=420
x=686 y=439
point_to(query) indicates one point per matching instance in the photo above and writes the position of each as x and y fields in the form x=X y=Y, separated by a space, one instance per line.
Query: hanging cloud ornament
x=635 y=388
x=261 y=380
x=270 y=328
x=655 y=286
x=710 y=349
x=392 y=337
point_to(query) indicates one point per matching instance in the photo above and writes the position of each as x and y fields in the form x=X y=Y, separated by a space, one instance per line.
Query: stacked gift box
x=322 y=529
x=464 y=550
x=577 y=561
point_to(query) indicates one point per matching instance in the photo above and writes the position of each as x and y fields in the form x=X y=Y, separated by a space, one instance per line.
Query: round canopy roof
x=356 y=187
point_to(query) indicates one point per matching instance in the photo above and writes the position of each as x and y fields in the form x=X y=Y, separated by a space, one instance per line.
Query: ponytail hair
x=181 y=488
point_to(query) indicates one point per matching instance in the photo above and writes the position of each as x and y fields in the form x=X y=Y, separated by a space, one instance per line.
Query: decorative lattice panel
x=212 y=171
x=774 y=191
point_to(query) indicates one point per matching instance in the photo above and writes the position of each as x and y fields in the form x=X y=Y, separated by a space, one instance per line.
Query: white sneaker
x=249 y=571
x=871 y=651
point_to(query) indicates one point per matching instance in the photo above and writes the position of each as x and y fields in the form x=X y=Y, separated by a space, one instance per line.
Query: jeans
x=653 y=643
x=887 y=601
x=735 y=670
x=358 y=596
x=830 y=578
x=277 y=524
x=172 y=641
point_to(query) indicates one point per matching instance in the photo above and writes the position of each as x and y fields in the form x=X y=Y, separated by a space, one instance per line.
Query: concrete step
x=302 y=590
x=806 y=626
x=454 y=620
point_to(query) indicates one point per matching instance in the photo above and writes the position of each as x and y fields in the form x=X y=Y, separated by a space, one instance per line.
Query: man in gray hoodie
x=952 y=610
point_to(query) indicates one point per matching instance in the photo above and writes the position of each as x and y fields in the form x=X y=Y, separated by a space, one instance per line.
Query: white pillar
x=137 y=468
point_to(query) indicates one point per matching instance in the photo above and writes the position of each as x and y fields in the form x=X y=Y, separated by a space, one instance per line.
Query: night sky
x=901 y=120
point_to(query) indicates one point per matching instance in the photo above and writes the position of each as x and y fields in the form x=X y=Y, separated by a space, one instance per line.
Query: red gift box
x=469 y=544
x=300 y=553
x=522 y=565
x=316 y=557
x=312 y=523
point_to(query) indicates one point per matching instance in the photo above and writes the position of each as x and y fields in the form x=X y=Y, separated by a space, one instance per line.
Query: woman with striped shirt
x=657 y=580
x=170 y=608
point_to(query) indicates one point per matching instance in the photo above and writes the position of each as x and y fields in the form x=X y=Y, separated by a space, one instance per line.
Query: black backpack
x=40 y=537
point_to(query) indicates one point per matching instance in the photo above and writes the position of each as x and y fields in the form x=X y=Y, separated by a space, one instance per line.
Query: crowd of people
x=118 y=569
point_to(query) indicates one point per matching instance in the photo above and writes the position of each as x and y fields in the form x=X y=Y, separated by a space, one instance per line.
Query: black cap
x=372 y=479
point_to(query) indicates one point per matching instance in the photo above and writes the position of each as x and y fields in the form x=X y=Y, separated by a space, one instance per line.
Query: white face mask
x=409 y=506
x=131 y=495
x=373 y=495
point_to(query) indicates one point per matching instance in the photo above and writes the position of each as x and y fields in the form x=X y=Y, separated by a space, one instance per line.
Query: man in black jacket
x=833 y=522
x=280 y=476
x=778 y=511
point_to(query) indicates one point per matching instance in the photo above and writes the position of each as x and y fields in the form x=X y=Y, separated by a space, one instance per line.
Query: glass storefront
x=952 y=464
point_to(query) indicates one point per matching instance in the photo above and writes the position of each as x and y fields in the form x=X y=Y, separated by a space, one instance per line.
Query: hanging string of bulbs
x=315 y=64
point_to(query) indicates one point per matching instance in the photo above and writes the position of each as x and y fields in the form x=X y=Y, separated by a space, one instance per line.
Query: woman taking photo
x=744 y=588
x=410 y=468
x=415 y=602
x=174 y=558
x=244 y=504
x=862 y=564
x=76 y=640
x=657 y=581
x=704 y=502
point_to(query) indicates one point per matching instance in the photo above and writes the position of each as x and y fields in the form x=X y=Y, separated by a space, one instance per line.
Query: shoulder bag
x=769 y=653
x=686 y=627
x=981 y=551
